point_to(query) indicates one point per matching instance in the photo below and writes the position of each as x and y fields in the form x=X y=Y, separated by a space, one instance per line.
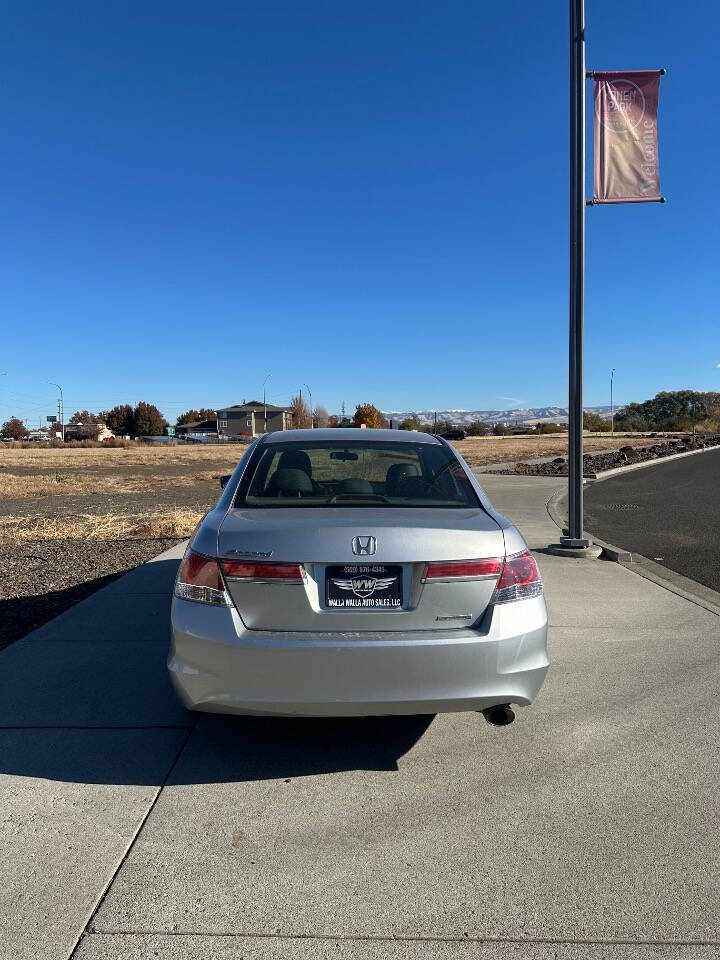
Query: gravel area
x=607 y=460
x=40 y=580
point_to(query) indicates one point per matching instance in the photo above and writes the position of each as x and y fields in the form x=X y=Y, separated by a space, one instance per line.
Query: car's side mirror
x=224 y=479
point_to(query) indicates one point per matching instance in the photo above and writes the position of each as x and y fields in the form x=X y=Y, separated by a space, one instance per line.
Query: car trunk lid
x=321 y=540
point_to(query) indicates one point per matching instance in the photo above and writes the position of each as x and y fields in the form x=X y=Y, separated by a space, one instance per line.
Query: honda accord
x=347 y=572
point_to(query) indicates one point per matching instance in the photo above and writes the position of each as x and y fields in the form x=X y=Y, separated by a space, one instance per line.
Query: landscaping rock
x=594 y=463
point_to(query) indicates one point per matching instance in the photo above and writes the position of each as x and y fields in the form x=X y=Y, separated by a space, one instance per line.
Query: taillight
x=199 y=579
x=519 y=580
x=273 y=572
x=463 y=569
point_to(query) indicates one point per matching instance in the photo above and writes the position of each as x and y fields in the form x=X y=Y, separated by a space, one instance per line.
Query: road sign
x=51 y=419
x=171 y=431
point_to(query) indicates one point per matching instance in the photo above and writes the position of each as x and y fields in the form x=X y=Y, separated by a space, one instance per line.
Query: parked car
x=455 y=434
x=353 y=573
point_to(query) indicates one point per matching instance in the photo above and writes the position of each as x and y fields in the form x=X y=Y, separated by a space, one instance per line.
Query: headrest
x=356 y=485
x=289 y=482
x=397 y=470
x=295 y=460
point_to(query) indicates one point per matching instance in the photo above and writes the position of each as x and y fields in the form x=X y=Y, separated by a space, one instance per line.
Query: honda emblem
x=364 y=546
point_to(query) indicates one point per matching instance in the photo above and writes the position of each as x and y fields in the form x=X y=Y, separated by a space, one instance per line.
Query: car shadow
x=275 y=748
x=215 y=750
x=87 y=699
x=20 y=615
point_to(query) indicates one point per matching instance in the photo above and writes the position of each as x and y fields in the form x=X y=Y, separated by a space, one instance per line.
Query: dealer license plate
x=364 y=586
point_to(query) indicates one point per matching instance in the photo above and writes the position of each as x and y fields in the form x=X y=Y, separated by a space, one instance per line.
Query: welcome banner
x=626 y=143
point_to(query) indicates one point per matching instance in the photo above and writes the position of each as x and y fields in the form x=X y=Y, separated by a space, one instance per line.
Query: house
x=87 y=431
x=200 y=429
x=250 y=419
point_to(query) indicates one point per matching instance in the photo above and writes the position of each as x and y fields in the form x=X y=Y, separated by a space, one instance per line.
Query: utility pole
x=612 y=409
x=265 y=403
x=576 y=539
x=312 y=417
x=61 y=409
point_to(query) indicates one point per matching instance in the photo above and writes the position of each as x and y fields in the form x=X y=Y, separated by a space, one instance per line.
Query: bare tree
x=321 y=416
x=300 y=413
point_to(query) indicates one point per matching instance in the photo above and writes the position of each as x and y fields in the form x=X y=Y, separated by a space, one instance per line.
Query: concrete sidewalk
x=587 y=829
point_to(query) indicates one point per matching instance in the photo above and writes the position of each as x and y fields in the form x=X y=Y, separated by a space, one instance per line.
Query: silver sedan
x=350 y=573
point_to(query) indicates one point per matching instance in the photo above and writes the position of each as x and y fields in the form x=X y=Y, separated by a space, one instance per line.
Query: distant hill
x=520 y=416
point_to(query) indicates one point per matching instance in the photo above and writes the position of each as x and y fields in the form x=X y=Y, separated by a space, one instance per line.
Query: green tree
x=477 y=429
x=84 y=416
x=149 y=422
x=13 y=429
x=595 y=422
x=668 y=410
x=632 y=418
x=500 y=430
x=442 y=427
x=369 y=414
x=121 y=419
x=195 y=416
x=411 y=423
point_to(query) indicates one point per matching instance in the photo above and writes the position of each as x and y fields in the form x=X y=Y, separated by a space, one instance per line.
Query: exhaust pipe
x=500 y=715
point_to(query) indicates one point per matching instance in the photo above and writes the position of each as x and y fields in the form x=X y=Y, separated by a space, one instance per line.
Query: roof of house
x=254 y=405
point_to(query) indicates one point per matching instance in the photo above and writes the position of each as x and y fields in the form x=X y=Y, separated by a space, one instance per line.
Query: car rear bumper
x=217 y=665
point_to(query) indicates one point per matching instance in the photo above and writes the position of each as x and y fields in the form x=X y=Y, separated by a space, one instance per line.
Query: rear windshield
x=360 y=474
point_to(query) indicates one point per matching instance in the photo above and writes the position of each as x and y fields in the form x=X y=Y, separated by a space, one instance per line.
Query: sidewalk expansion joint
x=419 y=938
x=101 y=899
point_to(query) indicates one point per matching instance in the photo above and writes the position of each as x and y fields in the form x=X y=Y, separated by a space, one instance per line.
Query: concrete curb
x=676 y=583
x=610 y=552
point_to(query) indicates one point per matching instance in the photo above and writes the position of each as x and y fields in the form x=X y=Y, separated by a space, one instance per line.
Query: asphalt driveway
x=668 y=512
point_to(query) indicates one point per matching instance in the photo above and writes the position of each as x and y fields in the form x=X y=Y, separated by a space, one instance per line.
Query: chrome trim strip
x=295 y=582
x=483 y=576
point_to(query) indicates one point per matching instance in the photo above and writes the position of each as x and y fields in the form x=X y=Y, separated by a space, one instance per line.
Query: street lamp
x=612 y=412
x=61 y=409
x=312 y=418
x=265 y=403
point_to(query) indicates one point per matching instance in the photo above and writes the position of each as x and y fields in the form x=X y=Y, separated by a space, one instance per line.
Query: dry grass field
x=151 y=492
x=489 y=449
x=175 y=523
x=86 y=458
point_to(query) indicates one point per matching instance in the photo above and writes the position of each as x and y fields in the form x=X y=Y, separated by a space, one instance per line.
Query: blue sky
x=367 y=198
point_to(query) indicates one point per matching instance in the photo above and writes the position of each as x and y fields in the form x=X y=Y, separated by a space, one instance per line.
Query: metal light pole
x=61 y=409
x=576 y=538
x=312 y=418
x=265 y=403
x=612 y=410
